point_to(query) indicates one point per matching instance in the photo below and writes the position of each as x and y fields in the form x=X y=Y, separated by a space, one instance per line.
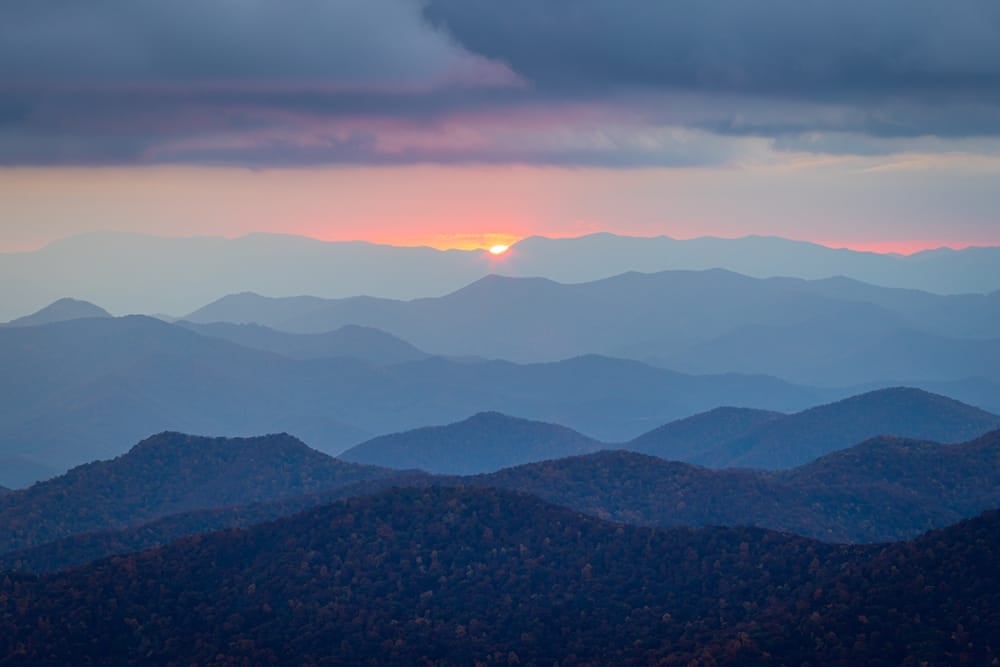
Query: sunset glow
x=499 y=249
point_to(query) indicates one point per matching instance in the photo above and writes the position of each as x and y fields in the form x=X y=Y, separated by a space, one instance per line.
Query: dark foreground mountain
x=82 y=548
x=484 y=442
x=60 y=311
x=364 y=343
x=800 y=438
x=882 y=490
x=89 y=389
x=454 y=577
x=167 y=474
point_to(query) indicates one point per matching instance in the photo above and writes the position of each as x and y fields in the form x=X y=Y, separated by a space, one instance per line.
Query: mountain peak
x=484 y=442
x=60 y=310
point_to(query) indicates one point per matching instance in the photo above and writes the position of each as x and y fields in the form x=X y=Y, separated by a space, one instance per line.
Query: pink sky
x=841 y=204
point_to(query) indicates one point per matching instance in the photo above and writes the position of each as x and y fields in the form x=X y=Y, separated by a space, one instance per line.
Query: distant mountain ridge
x=901 y=411
x=356 y=342
x=834 y=332
x=180 y=274
x=60 y=311
x=719 y=438
x=87 y=389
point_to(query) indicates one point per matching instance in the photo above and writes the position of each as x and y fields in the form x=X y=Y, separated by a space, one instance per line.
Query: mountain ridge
x=169 y=473
x=451 y=575
x=484 y=441
x=198 y=269
x=881 y=490
x=60 y=310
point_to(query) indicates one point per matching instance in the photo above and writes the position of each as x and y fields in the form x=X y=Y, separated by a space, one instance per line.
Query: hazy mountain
x=832 y=332
x=364 y=343
x=132 y=273
x=803 y=437
x=87 y=389
x=167 y=474
x=18 y=471
x=686 y=439
x=837 y=350
x=4 y=490
x=575 y=260
x=60 y=311
x=446 y=576
x=482 y=443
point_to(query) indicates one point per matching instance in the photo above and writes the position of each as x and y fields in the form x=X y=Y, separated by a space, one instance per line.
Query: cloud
x=799 y=48
x=618 y=83
x=346 y=43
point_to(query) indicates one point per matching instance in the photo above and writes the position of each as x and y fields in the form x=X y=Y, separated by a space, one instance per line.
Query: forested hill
x=450 y=577
x=170 y=473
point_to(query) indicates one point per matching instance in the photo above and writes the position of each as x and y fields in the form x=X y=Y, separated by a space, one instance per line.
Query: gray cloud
x=261 y=82
x=816 y=48
x=361 y=42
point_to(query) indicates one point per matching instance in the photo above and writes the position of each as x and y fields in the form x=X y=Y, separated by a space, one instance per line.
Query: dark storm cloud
x=813 y=48
x=262 y=82
x=903 y=68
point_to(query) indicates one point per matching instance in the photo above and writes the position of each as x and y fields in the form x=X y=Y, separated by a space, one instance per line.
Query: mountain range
x=720 y=438
x=133 y=273
x=823 y=332
x=880 y=490
x=772 y=442
x=454 y=576
x=352 y=341
x=85 y=389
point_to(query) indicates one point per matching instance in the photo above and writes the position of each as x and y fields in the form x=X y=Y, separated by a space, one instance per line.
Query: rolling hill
x=484 y=442
x=451 y=576
x=170 y=473
x=87 y=389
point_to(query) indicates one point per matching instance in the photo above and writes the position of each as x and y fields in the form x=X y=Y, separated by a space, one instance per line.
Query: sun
x=499 y=249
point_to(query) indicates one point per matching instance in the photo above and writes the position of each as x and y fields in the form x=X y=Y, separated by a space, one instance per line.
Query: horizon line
x=901 y=248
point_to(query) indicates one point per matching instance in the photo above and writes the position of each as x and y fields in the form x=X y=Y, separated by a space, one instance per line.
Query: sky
x=465 y=123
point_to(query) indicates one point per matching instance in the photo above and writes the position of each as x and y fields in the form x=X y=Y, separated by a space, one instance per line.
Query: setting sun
x=499 y=249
